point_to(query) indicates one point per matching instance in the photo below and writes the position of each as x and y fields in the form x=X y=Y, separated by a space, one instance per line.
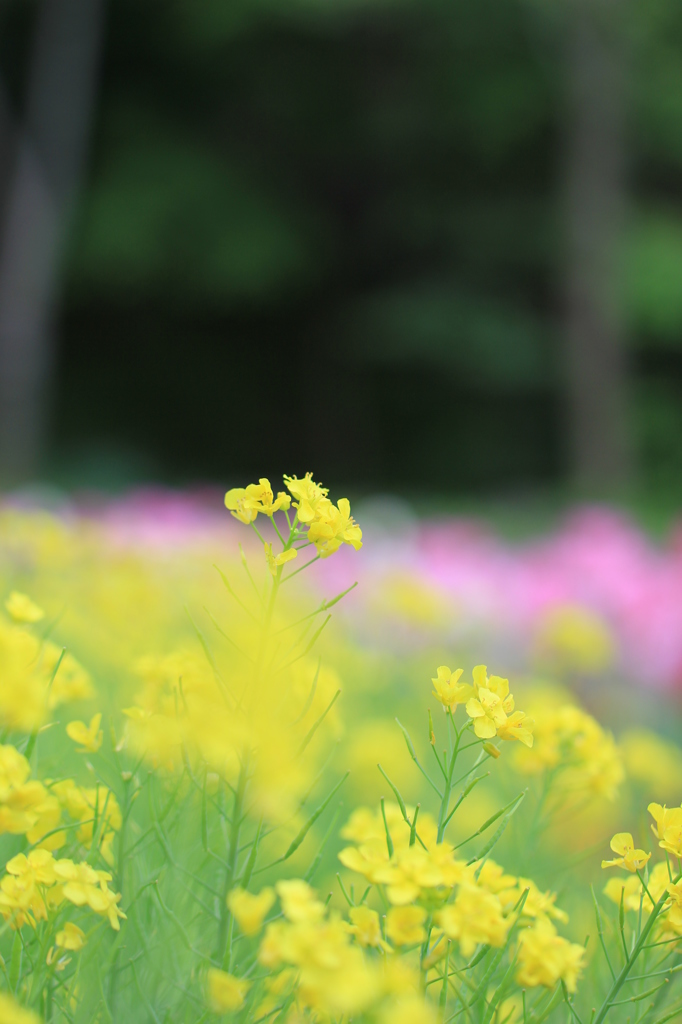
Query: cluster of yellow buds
x=488 y=702
x=37 y=883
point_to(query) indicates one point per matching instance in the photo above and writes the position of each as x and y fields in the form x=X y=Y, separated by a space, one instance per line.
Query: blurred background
x=430 y=247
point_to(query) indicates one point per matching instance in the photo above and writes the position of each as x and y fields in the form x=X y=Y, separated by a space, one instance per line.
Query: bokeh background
x=425 y=247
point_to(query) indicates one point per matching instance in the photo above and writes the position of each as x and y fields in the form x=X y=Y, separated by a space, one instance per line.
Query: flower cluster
x=328 y=525
x=37 y=884
x=435 y=897
x=183 y=831
x=488 y=702
x=582 y=757
x=659 y=891
x=36 y=676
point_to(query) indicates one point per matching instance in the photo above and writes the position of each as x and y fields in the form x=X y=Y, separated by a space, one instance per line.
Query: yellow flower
x=475 y=916
x=249 y=910
x=651 y=760
x=488 y=713
x=12 y=1013
x=246 y=502
x=80 y=884
x=274 y=561
x=225 y=992
x=410 y=1009
x=668 y=827
x=334 y=527
x=630 y=888
x=311 y=497
x=298 y=901
x=39 y=865
x=568 y=739
x=21 y=608
x=22 y=890
x=497 y=684
x=574 y=639
x=365 y=927
x=630 y=858
x=404 y=925
x=448 y=689
x=672 y=921
x=89 y=736
x=545 y=957
x=70 y=937
x=517 y=727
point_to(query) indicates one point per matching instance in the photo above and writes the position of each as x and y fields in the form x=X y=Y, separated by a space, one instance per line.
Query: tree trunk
x=596 y=166
x=49 y=149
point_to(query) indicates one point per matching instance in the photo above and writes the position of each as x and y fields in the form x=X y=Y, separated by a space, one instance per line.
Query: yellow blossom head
x=629 y=857
x=89 y=736
x=225 y=992
x=405 y=925
x=249 y=910
x=70 y=937
x=22 y=609
x=448 y=689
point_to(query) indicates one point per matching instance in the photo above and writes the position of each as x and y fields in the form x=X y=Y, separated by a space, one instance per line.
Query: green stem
x=444 y=804
x=630 y=962
x=225 y=916
x=120 y=873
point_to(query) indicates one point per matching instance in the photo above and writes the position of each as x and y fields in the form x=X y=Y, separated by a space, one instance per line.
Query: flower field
x=262 y=762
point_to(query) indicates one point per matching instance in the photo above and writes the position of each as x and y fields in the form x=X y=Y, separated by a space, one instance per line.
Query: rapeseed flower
x=366 y=928
x=311 y=498
x=246 y=502
x=12 y=1013
x=333 y=527
x=89 y=736
x=668 y=827
x=249 y=910
x=225 y=992
x=21 y=608
x=475 y=916
x=409 y=1009
x=629 y=858
x=82 y=885
x=489 y=712
x=448 y=689
x=517 y=727
x=405 y=925
x=545 y=957
x=71 y=937
x=299 y=902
